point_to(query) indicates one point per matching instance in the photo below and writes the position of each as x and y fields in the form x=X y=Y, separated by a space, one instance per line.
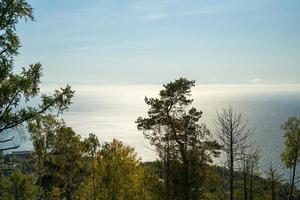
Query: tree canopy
x=291 y=154
x=18 y=90
x=183 y=144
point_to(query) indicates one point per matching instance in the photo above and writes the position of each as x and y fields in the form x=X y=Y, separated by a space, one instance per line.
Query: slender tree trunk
x=251 y=186
x=68 y=192
x=16 y=192
x=231 y=166
x=293 y=179
x=168 y=172
x=273 y=189
x=245 y=181
x=41 y=161
x=40 y=196
x=94 y=181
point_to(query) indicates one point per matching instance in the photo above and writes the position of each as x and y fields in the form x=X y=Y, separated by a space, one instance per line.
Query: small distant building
x=21 y=153
x=17 y=154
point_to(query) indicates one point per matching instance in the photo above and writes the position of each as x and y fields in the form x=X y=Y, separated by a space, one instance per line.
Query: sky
x=151 y=41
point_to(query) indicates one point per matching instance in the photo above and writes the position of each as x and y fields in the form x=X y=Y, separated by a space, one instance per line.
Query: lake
x=110 y=111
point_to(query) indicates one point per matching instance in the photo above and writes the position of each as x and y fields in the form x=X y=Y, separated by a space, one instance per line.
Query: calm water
x=110 y=111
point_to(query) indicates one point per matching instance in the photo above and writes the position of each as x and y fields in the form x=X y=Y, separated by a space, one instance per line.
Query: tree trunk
x=273 y=189
x=168 y=172
x=251 y=186
x=16 y=192
x=94 y=176
x=293 y=180
x=68 y=193
x=245 y=181
x=231 y=167
x=186 y=171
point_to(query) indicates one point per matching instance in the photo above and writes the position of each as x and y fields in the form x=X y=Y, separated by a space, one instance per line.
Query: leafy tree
x=119 y=175
x=92 y=144
x=184 y=145
x=17 y=91
x=18 y=186
x=65 y=163
x=43 y=130
x=60 y=157
x=291 y=154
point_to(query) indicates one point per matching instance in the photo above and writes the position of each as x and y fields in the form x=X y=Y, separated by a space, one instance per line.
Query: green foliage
x=17 y=91
x=184 y=145
x=11 y=12
x=291 y=153
x=70 y=168
x=91 y=145
x=60 y=156
x=119 y=175
x=18 y=186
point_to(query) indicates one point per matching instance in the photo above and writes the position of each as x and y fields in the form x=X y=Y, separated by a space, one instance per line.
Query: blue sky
x=146 y=41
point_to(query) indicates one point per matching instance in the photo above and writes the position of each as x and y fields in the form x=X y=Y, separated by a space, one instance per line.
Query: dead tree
x=253 y=161
x=233 y=134
x=274 y=179
x=245 y=170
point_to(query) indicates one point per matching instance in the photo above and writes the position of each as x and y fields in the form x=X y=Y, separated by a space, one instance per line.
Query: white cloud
x=148 y=9
x=256 y=80
x=151 y=5
x=154 y=17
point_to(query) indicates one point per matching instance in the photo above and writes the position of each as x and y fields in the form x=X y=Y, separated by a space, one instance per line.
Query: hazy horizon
x=110 y=111
x=198 y=82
